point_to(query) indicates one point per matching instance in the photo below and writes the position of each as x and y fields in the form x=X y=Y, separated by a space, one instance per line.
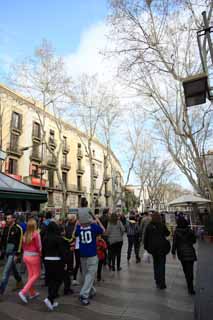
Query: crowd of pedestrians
x=84 y=243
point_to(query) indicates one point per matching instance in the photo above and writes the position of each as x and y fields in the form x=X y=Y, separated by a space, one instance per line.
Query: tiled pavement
x=125 y=295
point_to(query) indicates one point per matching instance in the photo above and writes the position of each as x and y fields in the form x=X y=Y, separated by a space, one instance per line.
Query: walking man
x=87 y=233
x=10 y=246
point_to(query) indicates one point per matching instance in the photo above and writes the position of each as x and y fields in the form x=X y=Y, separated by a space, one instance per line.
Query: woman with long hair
x=32 y=259
x=54 y=254
x=183 y=241
x=158 y=246
x=115 y=231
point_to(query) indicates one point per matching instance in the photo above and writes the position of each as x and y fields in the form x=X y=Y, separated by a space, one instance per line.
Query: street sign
x=3 y=155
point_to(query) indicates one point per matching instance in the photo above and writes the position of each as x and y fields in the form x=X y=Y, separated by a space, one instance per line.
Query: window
x=35 y=171
x=52 y=136
x=36 y=130
x=79 y=145
x=13 y=166
x=35 y=149
x=14 y=141
x=79 y=182
x=16 y=120
x=51 y=178
x=64 y=178
x=64 y=159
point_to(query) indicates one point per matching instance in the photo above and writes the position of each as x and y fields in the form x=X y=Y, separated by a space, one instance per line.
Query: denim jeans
x=133 y=241
x=159 y=262
x=89 y=267
x=10 y=265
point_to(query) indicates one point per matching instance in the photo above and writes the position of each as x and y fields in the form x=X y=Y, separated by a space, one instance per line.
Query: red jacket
x=101 y=249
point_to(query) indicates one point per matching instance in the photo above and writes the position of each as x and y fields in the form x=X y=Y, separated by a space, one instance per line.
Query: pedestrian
x=54 y=260
x=115 y=231
x=143 y=224
x=133 y=238
x=10 y=247
x=104 y=220
x=32 y=259
x=101 y=252
x=183 y=241
x=87 y=233
x=158 y=246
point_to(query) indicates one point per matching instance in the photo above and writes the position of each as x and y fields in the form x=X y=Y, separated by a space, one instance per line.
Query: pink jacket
x=34 y=245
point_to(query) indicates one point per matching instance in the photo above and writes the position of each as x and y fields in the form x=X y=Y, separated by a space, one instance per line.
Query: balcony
x=80 y=169
x=65 y=165
x=65 y=148
x=81 y=189
x=108 y=194
x=107 y=177
x=36 y=156
x=96 y=191
x=15 y=150
x=36 y=138
x=79 y=154
x=95 y=173
x=36 y=181
x=49 y=162
x=52 y=142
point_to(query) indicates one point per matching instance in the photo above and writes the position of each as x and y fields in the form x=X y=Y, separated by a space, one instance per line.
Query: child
x=101 y=252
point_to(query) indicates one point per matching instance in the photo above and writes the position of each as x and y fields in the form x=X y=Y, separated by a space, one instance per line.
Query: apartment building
x=30 y=160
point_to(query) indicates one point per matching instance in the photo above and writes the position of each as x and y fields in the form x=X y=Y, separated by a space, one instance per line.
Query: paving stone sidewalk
x=126 y=295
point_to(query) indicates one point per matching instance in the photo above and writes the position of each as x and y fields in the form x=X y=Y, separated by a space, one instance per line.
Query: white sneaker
x=75 y=283
x=37 y=294
x=55 y=304
x=22 y=297
x=48 y=304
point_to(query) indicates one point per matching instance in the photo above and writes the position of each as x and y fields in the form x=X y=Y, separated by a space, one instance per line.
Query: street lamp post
x=197 y=87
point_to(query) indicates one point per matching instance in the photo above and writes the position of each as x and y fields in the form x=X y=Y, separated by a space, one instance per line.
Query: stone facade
x=29 y=160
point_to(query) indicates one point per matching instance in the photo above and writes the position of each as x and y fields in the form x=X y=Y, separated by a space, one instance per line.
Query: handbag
x=146 y=257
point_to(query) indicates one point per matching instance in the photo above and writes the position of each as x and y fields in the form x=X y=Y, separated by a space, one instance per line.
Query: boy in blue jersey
x=88 y=252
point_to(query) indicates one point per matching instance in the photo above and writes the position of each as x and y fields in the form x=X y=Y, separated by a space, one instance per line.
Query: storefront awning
x=11 y=188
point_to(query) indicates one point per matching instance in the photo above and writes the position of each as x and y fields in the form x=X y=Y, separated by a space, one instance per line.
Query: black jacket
x=183 y=241
x=12 y=235
x=155 y=241
x=69 y=228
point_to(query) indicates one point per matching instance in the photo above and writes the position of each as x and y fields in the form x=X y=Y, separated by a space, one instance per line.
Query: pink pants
x=33 y=264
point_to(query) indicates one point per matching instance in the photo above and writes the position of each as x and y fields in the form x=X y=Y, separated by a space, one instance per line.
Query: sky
x=76 y=28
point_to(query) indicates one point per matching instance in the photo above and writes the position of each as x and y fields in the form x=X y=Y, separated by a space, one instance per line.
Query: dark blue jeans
x=10 y=266
x=133 y=241
x=159 y=262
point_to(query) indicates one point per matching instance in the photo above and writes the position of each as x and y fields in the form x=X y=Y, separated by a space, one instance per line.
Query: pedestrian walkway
x=125 y=295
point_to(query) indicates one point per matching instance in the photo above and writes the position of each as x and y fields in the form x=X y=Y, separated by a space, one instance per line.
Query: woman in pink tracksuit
x=32 y=259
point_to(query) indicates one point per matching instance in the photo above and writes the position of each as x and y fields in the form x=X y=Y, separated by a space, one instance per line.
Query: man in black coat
x=183 y=241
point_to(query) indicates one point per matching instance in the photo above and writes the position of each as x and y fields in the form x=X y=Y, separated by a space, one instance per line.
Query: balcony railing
x=107 y=177
x=36 y=181
x=81 y=189
x=52 y=142
x=50 y=161
x=36 y=137
x=14 y=149
x=79 y=154
x=80 y=169
x=95 y=173
x=108 y=194
x=36 y=156
x=65 y=165
x=65 y=148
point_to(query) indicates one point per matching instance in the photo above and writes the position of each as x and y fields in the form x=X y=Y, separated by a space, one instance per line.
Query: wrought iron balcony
x=14 y=149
